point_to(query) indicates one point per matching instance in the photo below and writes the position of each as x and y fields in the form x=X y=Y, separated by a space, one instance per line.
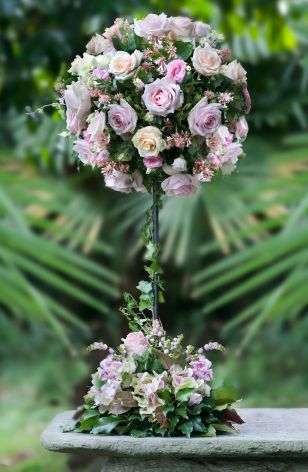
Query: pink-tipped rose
x=152 y=25
x=122 y=118
x=152 y=162
x=176 y=70
x=180 y=185
x=162 y=97
x=204 y=119
x=78 y=105
x=136 y=343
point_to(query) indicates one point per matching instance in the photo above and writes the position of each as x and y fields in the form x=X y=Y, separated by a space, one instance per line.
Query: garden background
x=235 y=255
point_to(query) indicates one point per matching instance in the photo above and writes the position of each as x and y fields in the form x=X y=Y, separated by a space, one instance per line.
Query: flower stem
x=155 y=223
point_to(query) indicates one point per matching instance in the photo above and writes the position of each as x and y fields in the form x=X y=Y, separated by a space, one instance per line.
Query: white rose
x=179 y=165
x=152 y=25
x=97 y=45
x=82 y=65
x=102 y=61
x=149 y=141
x=78 y=104
x=181 y=28
x=123 y=65
x=206 y=61
x=235 y=71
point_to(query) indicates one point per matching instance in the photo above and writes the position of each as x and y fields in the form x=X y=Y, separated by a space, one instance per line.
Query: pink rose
x=247 y=98
x=122 y=118
x=83 y=149
x=73 y=123
x=96 y=128
x=162 y=97
x=201 y=29
x=214 y=160
x=241 y=129
x=181 y=28
x=119 y=181
x=152 y=162
x=101 y=74
x=180 y=185
x=152 y=25
x=230 y=157
x=204 y=118
x=136 y=343
x=176 y=70
x=87 y=155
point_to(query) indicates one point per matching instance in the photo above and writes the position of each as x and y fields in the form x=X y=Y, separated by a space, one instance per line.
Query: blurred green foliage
x=235 y=255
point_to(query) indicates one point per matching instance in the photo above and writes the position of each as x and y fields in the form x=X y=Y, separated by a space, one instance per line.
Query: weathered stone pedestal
x=272 y=440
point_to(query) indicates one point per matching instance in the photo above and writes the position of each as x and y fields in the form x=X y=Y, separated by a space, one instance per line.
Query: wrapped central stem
x=155 y=233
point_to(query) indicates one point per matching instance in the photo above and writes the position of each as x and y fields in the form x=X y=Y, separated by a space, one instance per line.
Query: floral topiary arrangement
x=156 y=105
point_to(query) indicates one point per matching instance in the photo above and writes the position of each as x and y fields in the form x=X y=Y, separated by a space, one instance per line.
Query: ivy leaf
x=138 y=433
x=186 y=428
x=184 y=394
x=210 y=433
x=226 y=393
x=118 y=44
x=88 y=424
x=183 y=50
x=105 y=425
x=144 y=286
x=225 y=428
x=181 y=411
x=198 y=425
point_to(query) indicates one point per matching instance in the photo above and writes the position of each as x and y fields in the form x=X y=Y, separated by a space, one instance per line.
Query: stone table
x=272 y=440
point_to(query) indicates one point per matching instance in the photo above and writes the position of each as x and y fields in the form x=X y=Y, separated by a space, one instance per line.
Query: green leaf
x=226 y=393
x=184 y=394
x=88 y=424
x=91 y=413
x=165 y=360
x=181 y=411
x=186 y=428
x=184 y=50
x=105 y=425
x=138 y=433
x=211 y=432
x=165 y=395
x=224 y=428
x=145 y=287
x=198 y=425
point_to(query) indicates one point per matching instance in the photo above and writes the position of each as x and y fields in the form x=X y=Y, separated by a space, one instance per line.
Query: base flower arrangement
x=156 y=105
x=152 y=385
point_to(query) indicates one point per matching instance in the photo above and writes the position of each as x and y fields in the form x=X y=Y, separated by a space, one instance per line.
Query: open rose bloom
x=145 y=94
x=153 y=385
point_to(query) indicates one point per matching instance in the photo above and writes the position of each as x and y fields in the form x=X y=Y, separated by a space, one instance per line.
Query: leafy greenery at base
x=214 y=415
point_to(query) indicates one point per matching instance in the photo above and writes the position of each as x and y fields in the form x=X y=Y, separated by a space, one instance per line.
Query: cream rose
x=149 y=141
x=124 y=65
x=235 y=71
x=206 y=61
